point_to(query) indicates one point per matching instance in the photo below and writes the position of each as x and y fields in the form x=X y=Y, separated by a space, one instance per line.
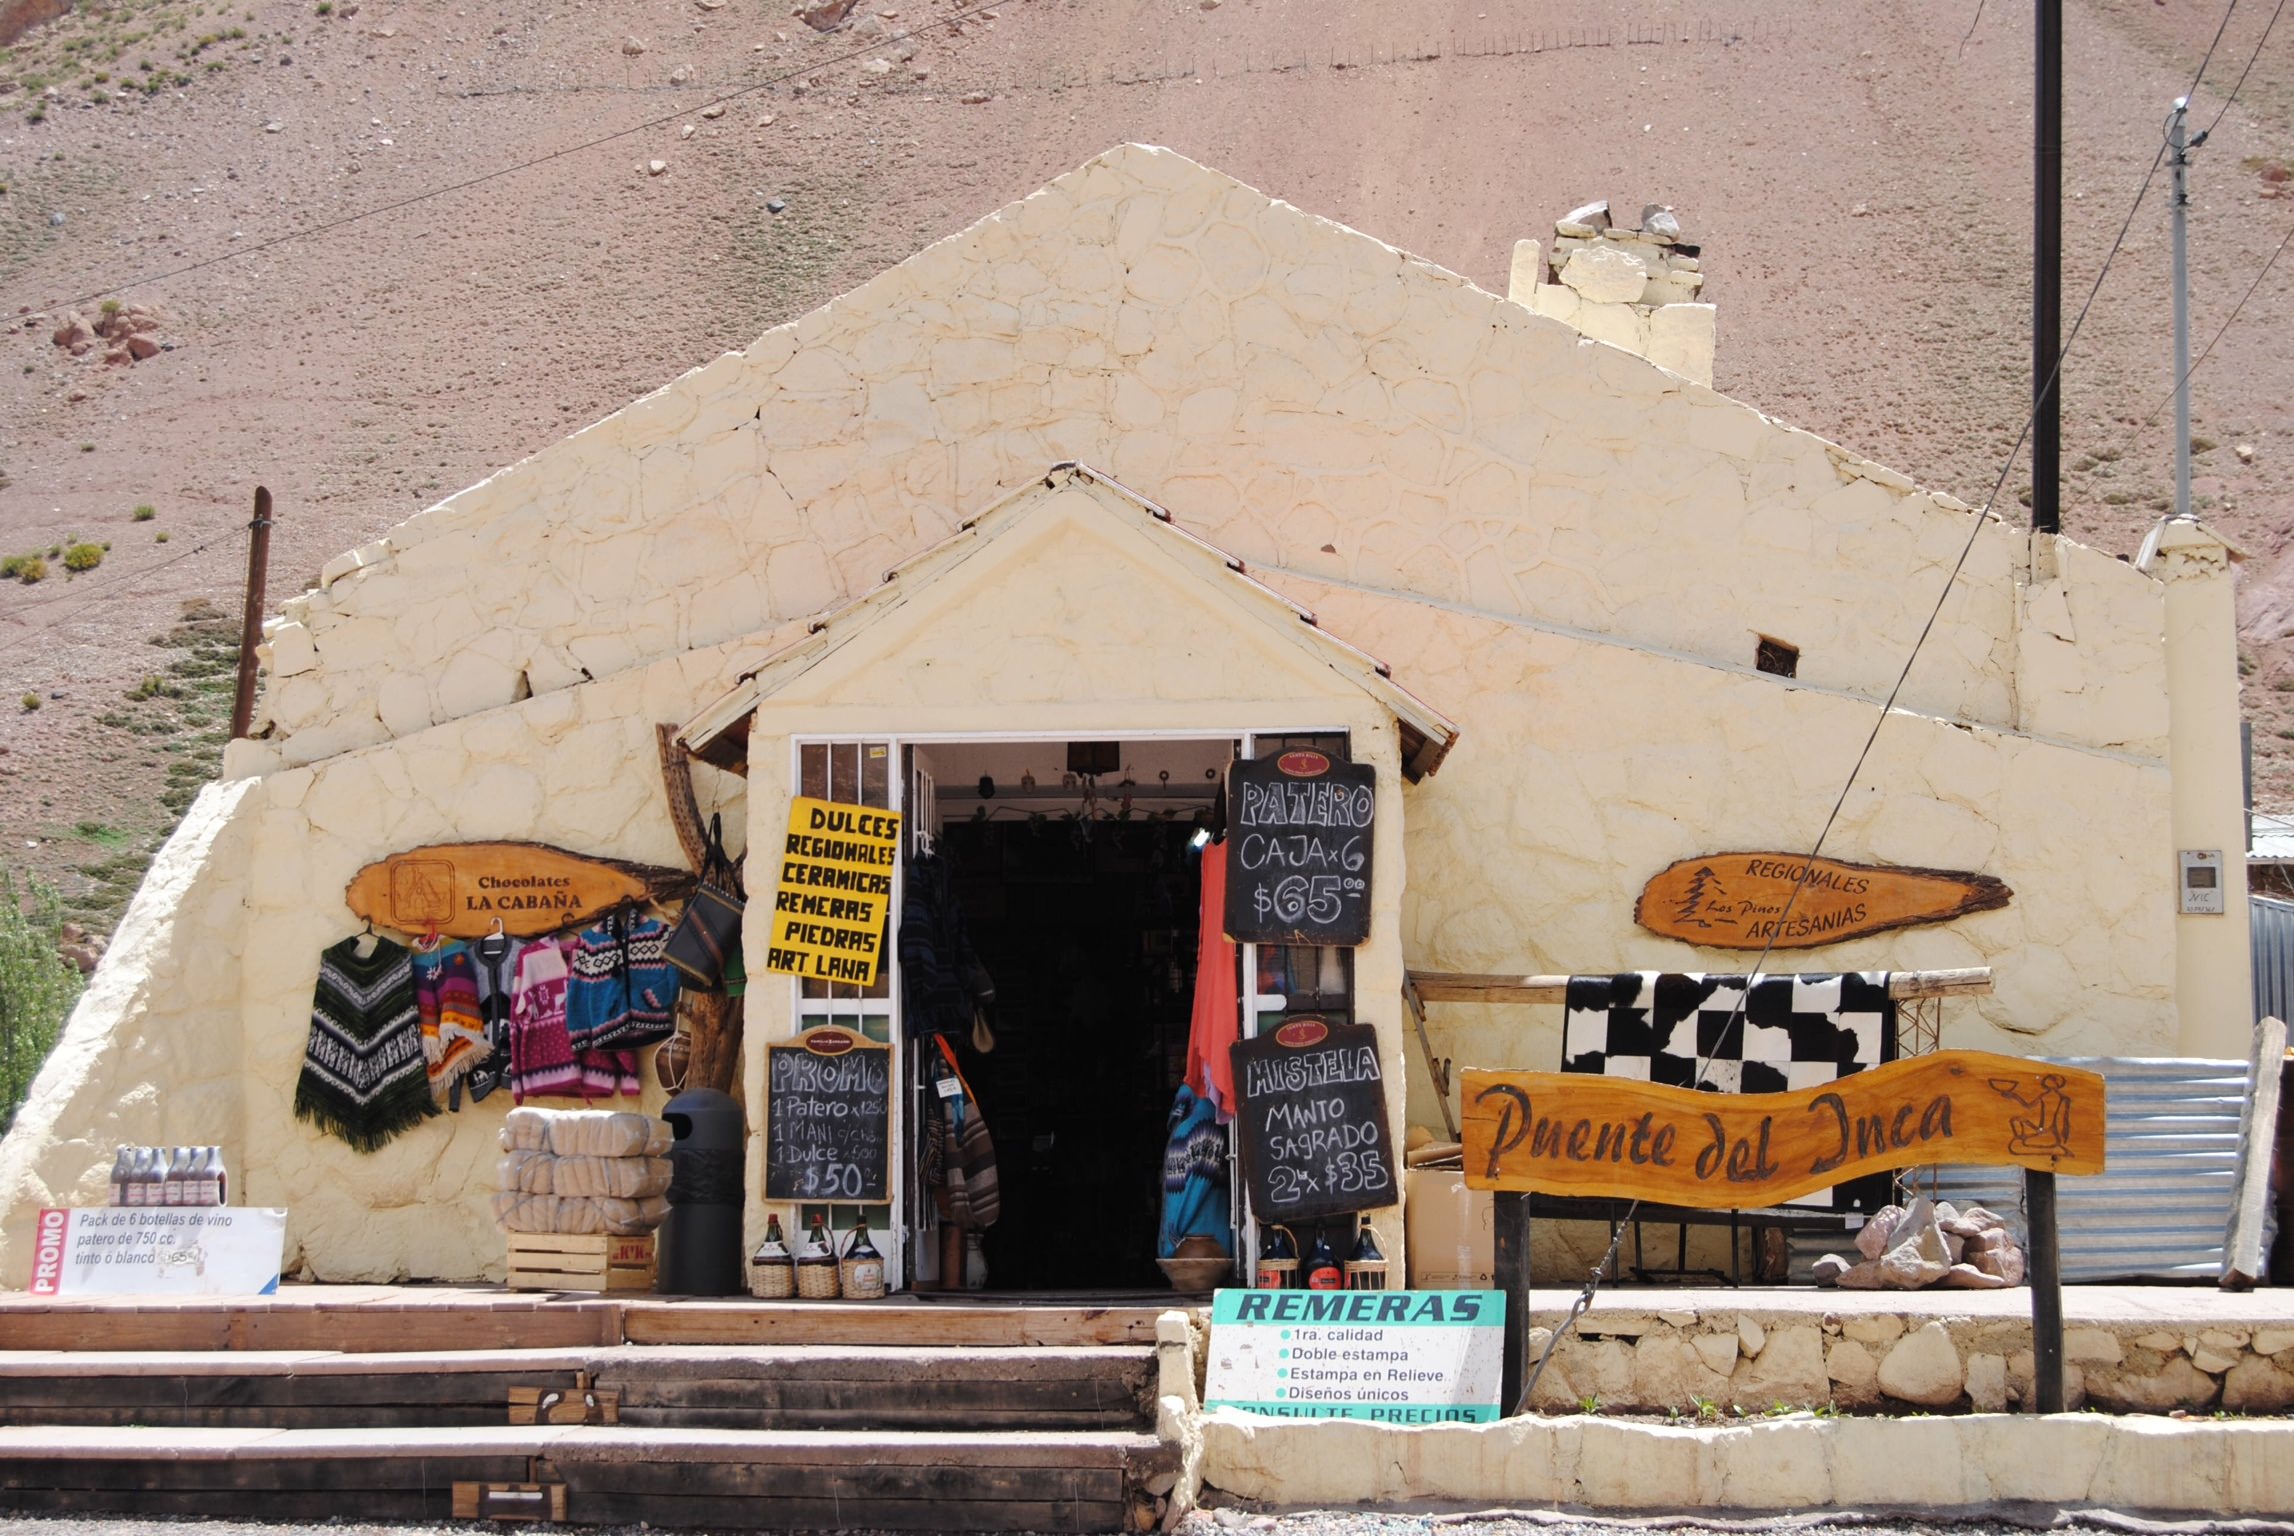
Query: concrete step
x=727 y=1479
x=766 y=1387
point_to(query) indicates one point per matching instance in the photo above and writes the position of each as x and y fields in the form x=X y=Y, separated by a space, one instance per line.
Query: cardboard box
x=1452 y=1231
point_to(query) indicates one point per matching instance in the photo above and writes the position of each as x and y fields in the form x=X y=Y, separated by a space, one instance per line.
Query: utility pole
x=2047 y=272
x=2179 y=153
x=251 y=613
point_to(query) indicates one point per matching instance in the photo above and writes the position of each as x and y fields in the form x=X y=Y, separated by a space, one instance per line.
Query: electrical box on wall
x=2202 y=880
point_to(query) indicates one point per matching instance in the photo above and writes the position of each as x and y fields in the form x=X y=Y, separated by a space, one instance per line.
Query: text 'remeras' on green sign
x=1300 y=829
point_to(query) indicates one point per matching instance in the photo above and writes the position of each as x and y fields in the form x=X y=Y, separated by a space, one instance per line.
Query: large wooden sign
x=1566 y=1133
x=828 y=1118
x=462 y=890
x=1738 y=900
x=1299 y=832
x=1311 y=1120
x=835 y=889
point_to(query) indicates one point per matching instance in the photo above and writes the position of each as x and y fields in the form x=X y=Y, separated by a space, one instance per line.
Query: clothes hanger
x=367 y=941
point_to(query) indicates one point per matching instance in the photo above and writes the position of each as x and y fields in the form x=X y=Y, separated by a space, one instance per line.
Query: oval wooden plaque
x=460 y=890
x=1738 y=900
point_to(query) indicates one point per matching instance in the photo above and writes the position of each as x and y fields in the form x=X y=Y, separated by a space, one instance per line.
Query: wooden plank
x=564 y=1405
x=1574 y=1134
x=1751 y=899
x=462 y=890
x=772 y=1480
x=222 y=1390
x=858 y=1511
x=320 y=1507
x=1485 y=987
x=251 y=1471
x=542 y=1503
x=922 y=1396
x=2245 y=1256
x=890 y=1323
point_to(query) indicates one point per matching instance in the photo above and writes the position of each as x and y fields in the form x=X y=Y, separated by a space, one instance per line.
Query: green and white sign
x=1399 y=1357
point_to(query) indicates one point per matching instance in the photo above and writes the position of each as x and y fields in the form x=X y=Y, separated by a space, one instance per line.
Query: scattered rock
x=1208 y=5
x=274 y=126
x=1872 y=1240
x=2245 y=452
x=877 y=67
x=55 y=221
x=687 y=131
x=1659 y=223
x=776 y=205
x=2257 y=1386
x=2099 y=1345
x=1828 y=1269
x=1605 y=274
x=713 y=111
x=1862 y=1277
x=973 y=98
x=1860 y=211
x=140 y=346
x=681 y=74
x=710 y=5
x=824 y=15
x=632 y=46
x=1716 y=1350
x=1966 y=1277
x=1584 y=223
x=1924 y=1368
x=766 y=121
x=656 y=167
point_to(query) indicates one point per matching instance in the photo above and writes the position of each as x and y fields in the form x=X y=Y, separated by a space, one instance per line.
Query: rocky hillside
x=366 y=251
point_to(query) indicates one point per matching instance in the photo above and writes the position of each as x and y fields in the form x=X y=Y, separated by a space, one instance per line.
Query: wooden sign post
x=466 y=890
x=1570 y=1134
x=1738 y=900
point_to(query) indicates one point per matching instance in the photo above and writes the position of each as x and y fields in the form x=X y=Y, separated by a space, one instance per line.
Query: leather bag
x=708 y=933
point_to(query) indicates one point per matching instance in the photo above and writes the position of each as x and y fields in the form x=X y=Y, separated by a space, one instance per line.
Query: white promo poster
x=1396 y=1357
x=190 y=1250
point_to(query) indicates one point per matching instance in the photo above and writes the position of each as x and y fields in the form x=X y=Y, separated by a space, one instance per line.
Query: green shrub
x=37 y=986
x=159 y=537
x=83 y=557
x=31 y=569
x=31 y=702
x=146 y=513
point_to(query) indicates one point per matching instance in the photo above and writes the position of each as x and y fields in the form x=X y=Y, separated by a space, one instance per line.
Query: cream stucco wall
x=193 y=1030
x=1302 y=393
x=1075 y=621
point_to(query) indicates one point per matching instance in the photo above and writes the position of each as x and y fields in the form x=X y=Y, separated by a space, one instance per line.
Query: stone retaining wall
x=1855 y=1359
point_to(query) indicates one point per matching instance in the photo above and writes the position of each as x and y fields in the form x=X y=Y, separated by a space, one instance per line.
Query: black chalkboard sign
x=828 y=1118
x=1298 y=864
x=1311 y=1112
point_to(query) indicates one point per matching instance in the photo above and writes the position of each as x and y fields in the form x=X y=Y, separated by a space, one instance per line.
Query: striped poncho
x=364 y=1079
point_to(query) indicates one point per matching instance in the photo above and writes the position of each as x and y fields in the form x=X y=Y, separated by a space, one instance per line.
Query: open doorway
x=1076 y=869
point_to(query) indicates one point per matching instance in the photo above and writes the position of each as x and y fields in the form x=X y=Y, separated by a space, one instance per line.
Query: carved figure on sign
x=2047 y=1131
x=1705 y=890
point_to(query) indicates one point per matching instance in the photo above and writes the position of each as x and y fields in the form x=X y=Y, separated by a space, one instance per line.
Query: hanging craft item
x=463 y=890
x=364 y=1079
x=708 y=934
x=1739 y=900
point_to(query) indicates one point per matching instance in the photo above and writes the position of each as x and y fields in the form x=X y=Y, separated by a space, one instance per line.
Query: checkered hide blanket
x=1794 y=1031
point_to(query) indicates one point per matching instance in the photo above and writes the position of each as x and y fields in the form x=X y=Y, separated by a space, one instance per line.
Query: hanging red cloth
x=1217 y=1022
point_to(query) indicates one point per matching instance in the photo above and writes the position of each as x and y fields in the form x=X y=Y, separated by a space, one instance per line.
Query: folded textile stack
x=578 y=1171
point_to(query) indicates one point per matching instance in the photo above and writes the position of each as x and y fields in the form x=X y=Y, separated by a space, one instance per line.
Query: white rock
x=1606 y=274
x=1874 y=1327
x=1751 y=1337
x=1966 y=1277
x=1716 y=1350
x=1872 y=1237
x=2212 y=1361
x=2269 y=1341
x=1658 y=223
x=1828 y=1269
x=632 y=46
x=713 y=111
x=687 y=131
x=1987 y=1383
x=1924 y=1368
x=656 y=167
x=1587 y=221
x=2097 y=1344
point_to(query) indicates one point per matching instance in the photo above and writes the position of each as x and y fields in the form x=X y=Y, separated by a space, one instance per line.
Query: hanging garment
x=363 y=1077
x=1217 y=1021
x=597 y=991
x=541 y=1054
x=453 y=1029
x=1793 y=1032
x=495 y=958
x=651 y=1014
x=943 y=986
x=961 y=1156
x=1194 y=1176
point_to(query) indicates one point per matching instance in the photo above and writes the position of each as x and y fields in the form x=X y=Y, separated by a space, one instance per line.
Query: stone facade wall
x=1302 y=394
x=1707 y=1363
x=1636 y=289
x=194 y=1027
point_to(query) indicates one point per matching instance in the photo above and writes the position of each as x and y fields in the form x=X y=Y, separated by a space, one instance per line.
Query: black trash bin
x=700 y=1244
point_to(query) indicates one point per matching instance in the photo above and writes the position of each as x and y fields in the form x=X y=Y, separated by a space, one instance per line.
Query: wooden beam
x=2245 y=1258
x=1476 y=987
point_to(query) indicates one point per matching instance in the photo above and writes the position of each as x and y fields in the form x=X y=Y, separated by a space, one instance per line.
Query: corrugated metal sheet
x=2272 y=924
x=2161 y=1208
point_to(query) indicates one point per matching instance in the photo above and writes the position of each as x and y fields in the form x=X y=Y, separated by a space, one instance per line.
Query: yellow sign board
x=835 y=891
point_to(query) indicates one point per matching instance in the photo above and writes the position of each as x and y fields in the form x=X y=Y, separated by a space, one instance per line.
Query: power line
x=2242 y=74
x=331 y=225
x=1734 y=1022
x=102 y=590
x=2226 y=324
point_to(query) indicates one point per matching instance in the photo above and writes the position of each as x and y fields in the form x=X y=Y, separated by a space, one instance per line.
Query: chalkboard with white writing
x=1299 y=828
x=828 y=1118
x=1311 y=1117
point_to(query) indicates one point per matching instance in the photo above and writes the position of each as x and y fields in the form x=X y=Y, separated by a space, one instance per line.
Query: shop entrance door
x=1075 y=870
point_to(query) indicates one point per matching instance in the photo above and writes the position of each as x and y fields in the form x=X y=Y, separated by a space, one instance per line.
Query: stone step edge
x=37 y=1363
x=585 y=1443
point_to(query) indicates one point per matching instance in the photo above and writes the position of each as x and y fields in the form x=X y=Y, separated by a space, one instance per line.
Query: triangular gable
x=718 y=734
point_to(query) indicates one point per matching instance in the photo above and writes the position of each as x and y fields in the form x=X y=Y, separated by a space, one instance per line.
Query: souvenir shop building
x=1030 y=539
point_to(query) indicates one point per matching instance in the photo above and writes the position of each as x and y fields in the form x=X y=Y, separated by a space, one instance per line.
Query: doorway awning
x=719 y=733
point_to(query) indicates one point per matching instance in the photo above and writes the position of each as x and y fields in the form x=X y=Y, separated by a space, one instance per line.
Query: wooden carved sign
x=461 y=890
x=1568 y=1133
x=1738 y=900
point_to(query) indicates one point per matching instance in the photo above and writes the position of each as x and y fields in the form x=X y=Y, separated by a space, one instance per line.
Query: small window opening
x=1777 y=657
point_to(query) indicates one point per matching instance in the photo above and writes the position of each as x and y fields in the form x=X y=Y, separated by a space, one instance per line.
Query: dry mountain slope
x=1858 y=179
